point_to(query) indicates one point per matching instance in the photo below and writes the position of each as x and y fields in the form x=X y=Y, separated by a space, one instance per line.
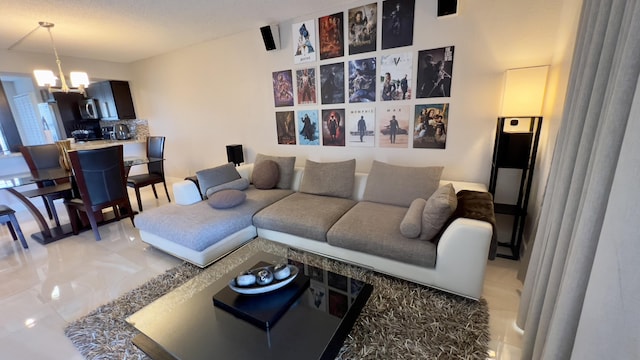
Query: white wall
x=219 y=92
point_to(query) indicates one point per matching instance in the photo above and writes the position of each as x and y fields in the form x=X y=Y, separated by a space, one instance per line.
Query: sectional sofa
x=397 y=220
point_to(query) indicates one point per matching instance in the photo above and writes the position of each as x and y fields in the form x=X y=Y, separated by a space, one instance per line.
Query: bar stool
x=7 y=216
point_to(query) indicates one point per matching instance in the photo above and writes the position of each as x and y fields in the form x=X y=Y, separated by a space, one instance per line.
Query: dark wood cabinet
x=114 y=97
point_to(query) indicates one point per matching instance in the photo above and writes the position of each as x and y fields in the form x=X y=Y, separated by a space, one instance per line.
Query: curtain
x=580 y=278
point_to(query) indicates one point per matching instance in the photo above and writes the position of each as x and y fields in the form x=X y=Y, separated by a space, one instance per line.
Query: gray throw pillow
x=285 y=165
x=216 y=176
x=400 y=185
x=411 y=224
x=329 y=178
x=439 y=207
x=265 y=174
x=238 y=184
x=226 y=199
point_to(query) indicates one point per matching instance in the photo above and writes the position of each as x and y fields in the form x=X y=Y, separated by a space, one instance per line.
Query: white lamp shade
x=79 y=78
x=45 y=77
x=524 y=91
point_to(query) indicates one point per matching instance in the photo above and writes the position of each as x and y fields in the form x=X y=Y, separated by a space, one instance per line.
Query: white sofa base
x=458 y=270
x=207 y=256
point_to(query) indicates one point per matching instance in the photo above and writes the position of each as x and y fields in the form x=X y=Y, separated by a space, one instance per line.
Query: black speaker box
x=447 y=7
x=271 y=37
x=514 y=150
x=234 y=154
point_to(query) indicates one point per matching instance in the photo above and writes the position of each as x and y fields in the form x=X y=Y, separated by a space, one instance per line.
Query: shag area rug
x=401 y=320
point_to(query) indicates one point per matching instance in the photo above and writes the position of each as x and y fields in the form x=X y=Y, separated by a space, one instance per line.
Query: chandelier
x=79 y=79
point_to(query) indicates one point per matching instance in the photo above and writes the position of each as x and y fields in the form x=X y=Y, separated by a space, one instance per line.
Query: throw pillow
x=439 y=207
x=266 y=174
x=400 y=185
x=285 y=165
x=238 y=184
x=411 y=224
x=226 y=199
x=216 y=176
x=329 y=178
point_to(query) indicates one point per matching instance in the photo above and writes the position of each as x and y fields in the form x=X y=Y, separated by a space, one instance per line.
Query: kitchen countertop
x=84 y=145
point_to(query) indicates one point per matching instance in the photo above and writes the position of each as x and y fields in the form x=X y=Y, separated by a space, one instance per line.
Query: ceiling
x=128 y=30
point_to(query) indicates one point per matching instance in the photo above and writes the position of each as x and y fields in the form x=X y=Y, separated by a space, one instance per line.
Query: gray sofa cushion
x=198 y=226
x=216 y=176
x=285 y=165
x=438 y=209
x=400 y=185
x=411 y=224
x=374 y=228
x=305 y=215
x=329 y=178
x=265 y=174
x=237 y=184
x=226 y=199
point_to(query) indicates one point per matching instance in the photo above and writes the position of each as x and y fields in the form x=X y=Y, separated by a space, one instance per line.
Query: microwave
x=89 y=109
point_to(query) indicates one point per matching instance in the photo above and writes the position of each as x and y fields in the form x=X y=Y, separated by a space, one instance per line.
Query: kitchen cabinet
x=114 y=97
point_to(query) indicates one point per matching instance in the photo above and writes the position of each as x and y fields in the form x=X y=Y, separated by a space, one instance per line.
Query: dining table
x=16 y=182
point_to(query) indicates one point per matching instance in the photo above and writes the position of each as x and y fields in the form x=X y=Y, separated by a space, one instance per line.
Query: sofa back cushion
x=400 y=185
x=329 y=178
x=216 y=176
x=285 y=167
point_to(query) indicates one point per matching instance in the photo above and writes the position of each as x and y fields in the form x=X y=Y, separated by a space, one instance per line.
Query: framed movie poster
x=309 y=133
x=282 y=88
x=361 y=127
x=306 y=81
x=333 y=127
x=304 y=40
x=430 y=126
x=331 y=36
x=285 y=128
x=397 y=23
x=332 y=83
x=363 y=28
x=395 y=76
x=435 y=72
x=362 y=80
x=394 y=126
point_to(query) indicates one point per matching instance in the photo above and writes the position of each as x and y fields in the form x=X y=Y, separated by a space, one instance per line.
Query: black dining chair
x=7 y=216
x=155 y=170
x=45 y=157
x=100 y=178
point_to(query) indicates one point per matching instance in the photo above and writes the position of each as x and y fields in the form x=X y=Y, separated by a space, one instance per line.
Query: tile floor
x=45 y=287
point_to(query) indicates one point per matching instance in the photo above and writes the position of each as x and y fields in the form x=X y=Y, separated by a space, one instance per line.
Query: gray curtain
x=581 y=297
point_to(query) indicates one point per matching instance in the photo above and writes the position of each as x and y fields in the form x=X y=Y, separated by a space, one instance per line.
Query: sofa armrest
x=186 y=192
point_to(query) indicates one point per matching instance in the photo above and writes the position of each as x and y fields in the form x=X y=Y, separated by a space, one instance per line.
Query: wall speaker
x=447 y=7
x=234 y=154
x=271 y=37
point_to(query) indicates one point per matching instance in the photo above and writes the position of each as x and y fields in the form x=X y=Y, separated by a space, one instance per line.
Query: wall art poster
x=395 y=76
x=430 y=126
x=435 y=68
x=362 y=80
x=304 y=38
x=397 y=23
x=306 y=82
x=330 y=29
x=309 y=133
x=332 y=83
x=363 y=28
x=361 y=127
x=333 y=127
x=282 y=88
x=318 y=296
x=394 y=126
x=286 y=128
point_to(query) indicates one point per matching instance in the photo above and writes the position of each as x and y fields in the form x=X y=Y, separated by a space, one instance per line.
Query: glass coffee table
x=321 y=307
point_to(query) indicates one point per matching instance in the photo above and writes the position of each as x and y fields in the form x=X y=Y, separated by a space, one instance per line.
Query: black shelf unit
x=515 y=149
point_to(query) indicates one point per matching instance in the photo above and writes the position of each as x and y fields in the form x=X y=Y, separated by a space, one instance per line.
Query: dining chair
x=43 y=157
x=100 y=178
x=155 y=170
x=7 y=216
